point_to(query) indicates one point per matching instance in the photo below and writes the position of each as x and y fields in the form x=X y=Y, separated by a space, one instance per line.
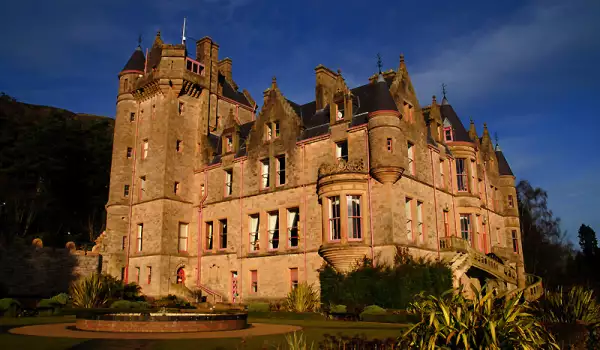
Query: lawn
x=314 y=331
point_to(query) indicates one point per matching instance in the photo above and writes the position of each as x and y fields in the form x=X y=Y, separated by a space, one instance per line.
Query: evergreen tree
x=587 y=241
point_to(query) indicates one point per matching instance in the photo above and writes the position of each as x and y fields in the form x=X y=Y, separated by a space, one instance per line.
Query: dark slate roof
x=382 y=99
x=503 y=167
x=136 y=61
x=154 y=57
x=231 y=93
x=460 y=133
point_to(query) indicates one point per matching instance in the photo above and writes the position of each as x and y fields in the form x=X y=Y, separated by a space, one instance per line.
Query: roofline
x=130 y=71
x=384 y=111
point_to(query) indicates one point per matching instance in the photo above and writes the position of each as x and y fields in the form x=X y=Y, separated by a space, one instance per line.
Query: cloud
x=490 y=58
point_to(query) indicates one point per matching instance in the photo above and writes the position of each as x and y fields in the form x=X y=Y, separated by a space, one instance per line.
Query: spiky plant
x=454 y=322
x=297 y=341
x=93 y=291
x=578 y=304
x=303 y=298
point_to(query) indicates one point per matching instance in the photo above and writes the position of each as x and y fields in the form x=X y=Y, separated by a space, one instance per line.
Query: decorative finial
x=273 y=82
x=339 y=71
x=379 y=64
x=471 y=119
x=496 y=137
x=433 y=100
x=401 y=58
x=444 y=89
x=485 y=125
x=140 y=40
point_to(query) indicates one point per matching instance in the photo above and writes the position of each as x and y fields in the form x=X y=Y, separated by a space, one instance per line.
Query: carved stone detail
x=342 y=166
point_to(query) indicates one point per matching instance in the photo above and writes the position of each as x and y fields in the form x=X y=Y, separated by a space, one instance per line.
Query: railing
x=532 y=291
x=211 y=292
x=454 y=243
x=194 y=66
x=504 y=252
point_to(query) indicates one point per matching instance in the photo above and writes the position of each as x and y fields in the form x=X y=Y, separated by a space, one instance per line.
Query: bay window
x=465 y=226
x=273 y=230
x=335 y=230
x=354 y=217
x=293 y=218
x=254 y=229
x=462 y=180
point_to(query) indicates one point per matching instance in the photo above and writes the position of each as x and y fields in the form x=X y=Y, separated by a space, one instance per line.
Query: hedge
x=126 y=304
x=389 y=286
x=284 y=315
x=259 y=307
x=9 y=307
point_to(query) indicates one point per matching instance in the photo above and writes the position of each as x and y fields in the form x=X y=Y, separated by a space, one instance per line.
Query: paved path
x=67 y=330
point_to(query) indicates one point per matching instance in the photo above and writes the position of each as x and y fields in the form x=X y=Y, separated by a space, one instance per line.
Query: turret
x=387 y=145
x=134 y=68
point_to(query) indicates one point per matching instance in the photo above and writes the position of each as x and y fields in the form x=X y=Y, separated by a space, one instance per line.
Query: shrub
x=127 y=304
x=285 y=315
x=258 y=307
x=60 y=299
x=303 y=298
x=172 y=302
x=9 y=307
x=575 y=305
x=297 y=341
x=454 y=322
x=338 y=309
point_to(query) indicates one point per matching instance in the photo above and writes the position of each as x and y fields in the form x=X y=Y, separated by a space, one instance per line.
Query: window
x=293 y=218
x=341 y=150
x=202 y=190
x=229 y=143
x=294 y=277
x=254 y=281
x=448 y=134
x=149 y=269
x=273 y=230
x=124 y=243
x=144 y=149
x=228 y=182
x=180 y=109
x=473 y=172
x=209 y=236
x=354 y=217
x=515 y=241
x=335 y=230
x=389 y=144
x=140 y=236
x=420 y=225
x=179 y=146
x=122 y=273
x=411 y=158
x=465 y=226
x=142 y=186
x=408 y=112
x=265 y=173
x=254 y=228
x=340 y=112
x=129 y=152
x=276 y=127
x=442 y=165
x=182 y=245
x=126 y=190
x=511 y=203
x=409 y=221
x=223 y=234
x=446 y=224
x=137 y=275
x=280 y=170
x=268 y=131
x=176 y=187
x=462 y=180
x=475 y=236
x=132 y=117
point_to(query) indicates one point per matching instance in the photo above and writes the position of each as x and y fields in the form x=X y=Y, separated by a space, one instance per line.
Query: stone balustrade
x=342 y=166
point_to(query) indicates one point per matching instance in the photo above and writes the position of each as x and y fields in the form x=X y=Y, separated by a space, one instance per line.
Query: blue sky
x=527 y=68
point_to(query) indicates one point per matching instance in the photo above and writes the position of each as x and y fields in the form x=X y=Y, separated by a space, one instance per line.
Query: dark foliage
x=357 y=343
x=383 y=285
x=54 y=173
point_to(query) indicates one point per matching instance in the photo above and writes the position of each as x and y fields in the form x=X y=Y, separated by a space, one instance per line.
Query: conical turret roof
x=136 y=61
x=382 y=99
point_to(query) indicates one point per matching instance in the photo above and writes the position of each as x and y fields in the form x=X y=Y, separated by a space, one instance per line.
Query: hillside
x=54 y=173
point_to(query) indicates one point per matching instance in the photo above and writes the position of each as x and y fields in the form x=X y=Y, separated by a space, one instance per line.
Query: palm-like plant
x=454 y=322
x=303 y=298
x=577 y=305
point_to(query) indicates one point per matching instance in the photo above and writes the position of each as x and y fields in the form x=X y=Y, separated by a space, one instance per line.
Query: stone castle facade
x=206 y=193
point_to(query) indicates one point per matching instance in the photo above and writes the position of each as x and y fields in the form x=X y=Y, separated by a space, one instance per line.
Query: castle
x=206 y=193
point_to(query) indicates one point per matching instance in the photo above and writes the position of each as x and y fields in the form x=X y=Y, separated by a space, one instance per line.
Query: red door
x=180 y=276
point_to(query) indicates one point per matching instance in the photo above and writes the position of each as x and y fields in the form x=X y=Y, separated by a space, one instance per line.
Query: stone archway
x=180 y=276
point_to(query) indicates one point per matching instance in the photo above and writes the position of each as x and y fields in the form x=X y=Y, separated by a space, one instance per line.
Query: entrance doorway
x=180 y=276
x=234 y=287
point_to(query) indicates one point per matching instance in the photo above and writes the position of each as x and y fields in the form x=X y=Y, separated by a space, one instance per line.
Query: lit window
x=515 y=242
x=176 y=187
x=293 y=218
x=411 y=158
x=461 y=175
x=254 y=281
x=511 y=203
x=179 y=146
x=124 y=243
x=254 y=229
x=389 y=144
x=465 y=227
x=446 y=224
x=448 y=134
x=126 y=190
x=341 y=150
x=281 y=170
x=129 y=152
x=144 y=149
x=132 y=117
x=140 y=236
x=335 y=231
x=223 y=234
x=142 y=186
x=294 y=277
x=354 y=217
x=273 y=230
x=180 y=110
x=409 y=219
x=420 y=226
x=265 y=173
x=228 y=182
x=137 y=275
x=276 y=127
x=209 y=236
x=182 y=245
x=442 y=165
x=149 y=269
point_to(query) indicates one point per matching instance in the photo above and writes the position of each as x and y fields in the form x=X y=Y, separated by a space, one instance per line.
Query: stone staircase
x=187 y=294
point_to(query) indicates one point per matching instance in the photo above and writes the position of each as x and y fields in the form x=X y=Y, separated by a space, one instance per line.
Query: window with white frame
x=442 y=183
x=182 y=245
x=420 y=225
x=273 y=222
x=446 y=224
x=340 y=112
x=473 y=172
x=145 y=146
x=223 y=234
x=409 y=218
x=411 y=158
x=253 y=281
x=254 y=229
x=293 y=218
x=179 y=146
x=229 y=143
x=264 y=173
x=280 y=170
x=462 y=180
x=126 y=191
x=335 y=230
x=268 y=131
x=176 y=187
x=341 y=150
x=293 y=277
x=142 y=186
x=140 y=236
x=276 y=129
x=354 y=217
x=389 y=144
x=465 y=227
x=209 y=236
x=228 y=182
x=129 y=152
x=515 y=241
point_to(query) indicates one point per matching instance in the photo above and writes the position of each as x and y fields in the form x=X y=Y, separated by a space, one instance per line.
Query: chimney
x=325 y=86
x=207 y=53
x=225 y=68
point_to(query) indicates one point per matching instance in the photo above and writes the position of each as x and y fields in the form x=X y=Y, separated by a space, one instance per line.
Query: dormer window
x=229 y=143
x=408 y=112
x=340 y=112
x=341 y=150
x=276 y=127
x=448 y=134
x=272 y=130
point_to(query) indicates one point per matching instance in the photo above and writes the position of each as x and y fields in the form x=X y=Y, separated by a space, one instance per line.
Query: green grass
x=312 y=329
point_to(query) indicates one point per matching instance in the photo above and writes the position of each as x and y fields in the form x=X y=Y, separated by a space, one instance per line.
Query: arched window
x=180 y=275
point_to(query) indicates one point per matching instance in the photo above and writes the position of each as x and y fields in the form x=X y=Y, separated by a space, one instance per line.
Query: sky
x=529 y=69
